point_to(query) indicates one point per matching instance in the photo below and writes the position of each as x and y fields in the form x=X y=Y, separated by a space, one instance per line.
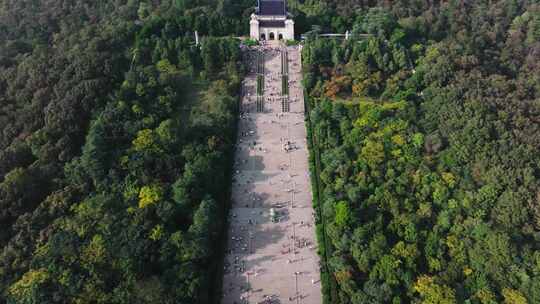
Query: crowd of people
x=253 y=211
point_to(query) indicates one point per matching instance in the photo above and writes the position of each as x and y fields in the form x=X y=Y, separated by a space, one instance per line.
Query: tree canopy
x=116 y=142
x=117 y=134
x=427 y=132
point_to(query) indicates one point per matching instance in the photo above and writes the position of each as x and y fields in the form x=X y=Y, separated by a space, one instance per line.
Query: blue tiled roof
x=271 y=7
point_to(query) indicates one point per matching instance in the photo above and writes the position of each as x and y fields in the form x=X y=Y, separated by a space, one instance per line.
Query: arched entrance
x=280 y=36
x=272 y=36
x=263 y=36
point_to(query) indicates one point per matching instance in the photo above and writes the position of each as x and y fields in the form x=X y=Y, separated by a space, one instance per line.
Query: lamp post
x=248 y=287
x=296 y=287
x=249 y=242
x=294 y=238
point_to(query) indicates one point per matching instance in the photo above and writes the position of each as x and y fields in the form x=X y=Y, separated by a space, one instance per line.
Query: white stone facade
x=271 y=28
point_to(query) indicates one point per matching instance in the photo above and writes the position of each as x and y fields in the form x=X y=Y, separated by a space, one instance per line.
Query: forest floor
x=271 y=249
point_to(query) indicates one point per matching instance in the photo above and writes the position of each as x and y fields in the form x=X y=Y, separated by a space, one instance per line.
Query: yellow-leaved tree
x=23 y=290
x=434 y=293
x=149 y=195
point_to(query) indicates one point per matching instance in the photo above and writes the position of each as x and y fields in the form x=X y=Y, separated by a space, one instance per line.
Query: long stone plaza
x=272 y=252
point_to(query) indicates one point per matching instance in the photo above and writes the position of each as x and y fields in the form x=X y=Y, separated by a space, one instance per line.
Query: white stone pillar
x=254 y=27
x=289 y=29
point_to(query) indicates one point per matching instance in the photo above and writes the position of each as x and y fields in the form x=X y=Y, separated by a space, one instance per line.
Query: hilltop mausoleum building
x=270 y=21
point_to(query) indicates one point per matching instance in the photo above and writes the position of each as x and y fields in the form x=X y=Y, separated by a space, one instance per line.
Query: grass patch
x=260 y=84
x=284 y=85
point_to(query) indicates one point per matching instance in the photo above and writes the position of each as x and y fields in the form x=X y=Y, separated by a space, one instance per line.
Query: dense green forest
x=429 y=152
x=117 y=132
x=116 y=140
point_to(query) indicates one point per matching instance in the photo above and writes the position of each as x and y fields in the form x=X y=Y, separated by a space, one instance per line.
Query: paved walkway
x=271 y=253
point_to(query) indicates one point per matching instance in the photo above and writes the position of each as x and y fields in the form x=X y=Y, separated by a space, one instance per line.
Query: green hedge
x=328 y=282
x=260 y=85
